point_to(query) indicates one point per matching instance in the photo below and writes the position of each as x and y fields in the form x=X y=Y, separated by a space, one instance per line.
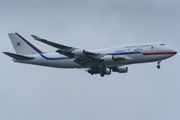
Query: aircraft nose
x=174 y=52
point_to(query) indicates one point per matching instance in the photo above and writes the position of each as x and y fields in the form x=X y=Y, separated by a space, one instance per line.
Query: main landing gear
x=99 y=70
x=158 y=66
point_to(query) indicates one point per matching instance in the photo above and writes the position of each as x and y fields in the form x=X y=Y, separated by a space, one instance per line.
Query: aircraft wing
x=85 y=58
x=59 y=46
x=66 y=50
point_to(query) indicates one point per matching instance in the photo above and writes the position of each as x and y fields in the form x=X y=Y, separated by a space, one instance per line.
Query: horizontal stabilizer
x=18 y=57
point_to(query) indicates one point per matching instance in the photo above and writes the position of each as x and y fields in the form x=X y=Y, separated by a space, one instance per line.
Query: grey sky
x=40 y=93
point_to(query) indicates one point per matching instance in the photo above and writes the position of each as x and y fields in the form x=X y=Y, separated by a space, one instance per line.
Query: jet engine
x=120 y=69
x=107 y=58
x=79 y=52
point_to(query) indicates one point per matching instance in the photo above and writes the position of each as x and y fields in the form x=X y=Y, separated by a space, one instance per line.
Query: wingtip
x=36 y=37
x=4 y=52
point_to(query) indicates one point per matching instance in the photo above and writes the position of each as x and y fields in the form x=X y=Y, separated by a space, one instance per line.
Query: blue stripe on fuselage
x=124 y=53
x=60 y=58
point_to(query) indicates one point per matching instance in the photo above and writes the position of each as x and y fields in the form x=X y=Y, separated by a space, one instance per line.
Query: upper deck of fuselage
x=131 y=47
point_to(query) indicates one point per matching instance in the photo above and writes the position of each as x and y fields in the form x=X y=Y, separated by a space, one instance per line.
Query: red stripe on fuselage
x=160 y=53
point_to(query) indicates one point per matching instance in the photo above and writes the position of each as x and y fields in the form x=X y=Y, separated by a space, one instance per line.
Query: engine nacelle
x=121 y=69
x=108 y=71
x=79 y=52
x=107 y=58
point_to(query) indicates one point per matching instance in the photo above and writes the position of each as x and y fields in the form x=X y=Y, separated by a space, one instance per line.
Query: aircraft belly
x=150 y=58
x=120 y=63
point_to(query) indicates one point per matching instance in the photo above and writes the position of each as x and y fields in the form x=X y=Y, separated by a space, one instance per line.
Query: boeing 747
x=102 y=61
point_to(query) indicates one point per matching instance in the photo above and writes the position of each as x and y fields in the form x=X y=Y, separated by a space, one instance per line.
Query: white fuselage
x=139 y=53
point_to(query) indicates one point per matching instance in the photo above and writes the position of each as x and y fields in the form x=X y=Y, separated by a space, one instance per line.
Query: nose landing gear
x=158 y=66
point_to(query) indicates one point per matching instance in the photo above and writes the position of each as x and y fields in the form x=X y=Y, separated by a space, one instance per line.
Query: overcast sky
x=29 y=92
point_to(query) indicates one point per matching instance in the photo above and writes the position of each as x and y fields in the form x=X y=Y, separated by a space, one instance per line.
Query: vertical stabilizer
x=22 y=46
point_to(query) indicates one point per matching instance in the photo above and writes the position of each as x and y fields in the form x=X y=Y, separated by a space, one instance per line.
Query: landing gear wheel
x=158 y=66
x=92 y=73
x=102 y=75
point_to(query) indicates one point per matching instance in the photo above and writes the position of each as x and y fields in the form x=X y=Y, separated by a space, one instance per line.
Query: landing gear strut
x=158 y=66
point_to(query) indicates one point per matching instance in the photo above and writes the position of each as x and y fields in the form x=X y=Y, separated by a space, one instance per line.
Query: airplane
x=102 y=61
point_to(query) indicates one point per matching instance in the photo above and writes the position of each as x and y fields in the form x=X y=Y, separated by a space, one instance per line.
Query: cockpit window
x=162 y=44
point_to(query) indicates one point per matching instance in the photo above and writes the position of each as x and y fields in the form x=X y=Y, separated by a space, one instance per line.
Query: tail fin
x=22 y=46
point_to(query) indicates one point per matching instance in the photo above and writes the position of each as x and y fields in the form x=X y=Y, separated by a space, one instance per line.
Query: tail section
x=22 y=46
